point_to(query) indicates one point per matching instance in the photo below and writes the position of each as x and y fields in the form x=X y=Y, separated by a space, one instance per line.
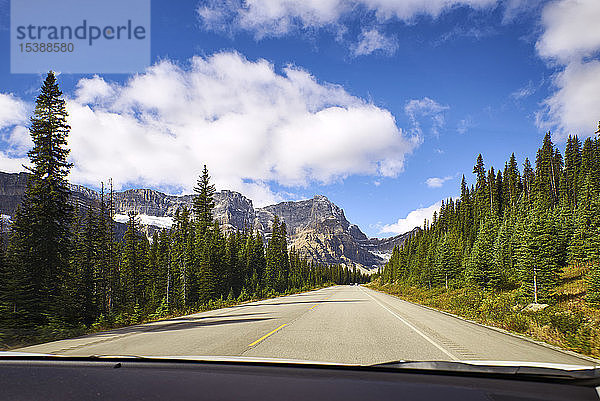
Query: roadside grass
x=55 y=331
x=569 y=323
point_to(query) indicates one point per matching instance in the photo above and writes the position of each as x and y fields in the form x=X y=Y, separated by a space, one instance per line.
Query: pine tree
x=503 y=253
x=41 y=229
x=572 y=170
x=203 y=202
x=481 y=267
x=258 y=263
x=447 y=260
x=83 y=282
x=512 y=180
x=271 y=270
x=481 y=189
x=131 y=263
x=283 y=263
x=528 y=179
x=206 y=278
x=206 y=282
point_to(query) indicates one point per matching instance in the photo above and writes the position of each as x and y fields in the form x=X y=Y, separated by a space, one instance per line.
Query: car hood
x=429 y=365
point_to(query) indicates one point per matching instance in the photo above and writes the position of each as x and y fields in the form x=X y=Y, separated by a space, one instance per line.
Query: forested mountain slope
x=515 y=228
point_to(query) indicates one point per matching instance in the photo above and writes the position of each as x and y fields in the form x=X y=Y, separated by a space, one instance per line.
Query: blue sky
x=386 y=106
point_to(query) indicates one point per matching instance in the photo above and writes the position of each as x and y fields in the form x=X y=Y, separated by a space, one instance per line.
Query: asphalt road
x=344 y=324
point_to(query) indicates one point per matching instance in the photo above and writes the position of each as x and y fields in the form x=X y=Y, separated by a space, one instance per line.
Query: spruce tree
x=41 y=230
x=272 y=259
x=528 y=179
x=259 y=262
x=481 y=189
x=203 y=201
x=131 y=263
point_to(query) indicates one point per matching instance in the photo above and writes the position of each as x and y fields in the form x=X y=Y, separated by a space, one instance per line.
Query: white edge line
x=419 y=332
x=500 y=330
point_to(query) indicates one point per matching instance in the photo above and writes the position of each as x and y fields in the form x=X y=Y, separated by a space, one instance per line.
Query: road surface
x=344 y=324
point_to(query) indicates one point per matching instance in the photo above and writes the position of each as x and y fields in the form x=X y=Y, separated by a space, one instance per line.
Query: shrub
x=517 y=322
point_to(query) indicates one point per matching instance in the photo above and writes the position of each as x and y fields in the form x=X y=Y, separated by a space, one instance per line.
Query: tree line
x=515 y=228
x=63 y=268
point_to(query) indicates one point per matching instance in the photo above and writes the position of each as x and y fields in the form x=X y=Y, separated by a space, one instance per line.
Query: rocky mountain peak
x=317 y=228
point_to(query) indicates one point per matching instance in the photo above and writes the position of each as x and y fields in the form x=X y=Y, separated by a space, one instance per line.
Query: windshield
x=351 y=182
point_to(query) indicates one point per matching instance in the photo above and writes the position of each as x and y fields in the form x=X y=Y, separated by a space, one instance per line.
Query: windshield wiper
x=556 y=371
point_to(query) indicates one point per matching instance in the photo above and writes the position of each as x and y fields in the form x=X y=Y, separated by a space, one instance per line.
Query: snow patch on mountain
x=383 y=255
x=157 y=221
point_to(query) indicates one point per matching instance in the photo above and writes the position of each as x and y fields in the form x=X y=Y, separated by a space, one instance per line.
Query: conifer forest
x=516 y=228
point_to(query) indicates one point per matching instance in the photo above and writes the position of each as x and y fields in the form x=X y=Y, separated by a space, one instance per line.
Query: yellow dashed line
x=267 y=335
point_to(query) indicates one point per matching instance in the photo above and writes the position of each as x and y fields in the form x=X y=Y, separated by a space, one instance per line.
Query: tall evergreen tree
x=273 y=247
x=41 y=230
x=203 y=201
x=482 y=199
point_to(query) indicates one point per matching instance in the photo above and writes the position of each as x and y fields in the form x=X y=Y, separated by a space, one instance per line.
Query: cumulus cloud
x=575 y=106
x=571 y=30
x=14 y=114
x=416 y=109
x=12 y=110
x=372 y=41
x=250 y=124
x=413 y=219
x=571 y=40
x=277 y=18
x=437 y=182
x=94 y=89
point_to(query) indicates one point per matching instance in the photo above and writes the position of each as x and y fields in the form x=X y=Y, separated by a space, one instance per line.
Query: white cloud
x=571 y=40
x=407 y=10
x=271 y=18
x=571 y=30
x=14 y=114
x=277 y=18
x=94 y=89
x=412 y=220
x=10 y=164
x=374 y=41
x=426 y=107
x=12 y=110
x=437 y=182
x=575 y=107
x=248 y=123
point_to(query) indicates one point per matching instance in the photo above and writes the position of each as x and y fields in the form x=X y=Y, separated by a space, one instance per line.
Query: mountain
x=317 y=228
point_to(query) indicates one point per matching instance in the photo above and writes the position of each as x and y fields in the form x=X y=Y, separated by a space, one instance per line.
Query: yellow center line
x=319 y=303
x=267 y=335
